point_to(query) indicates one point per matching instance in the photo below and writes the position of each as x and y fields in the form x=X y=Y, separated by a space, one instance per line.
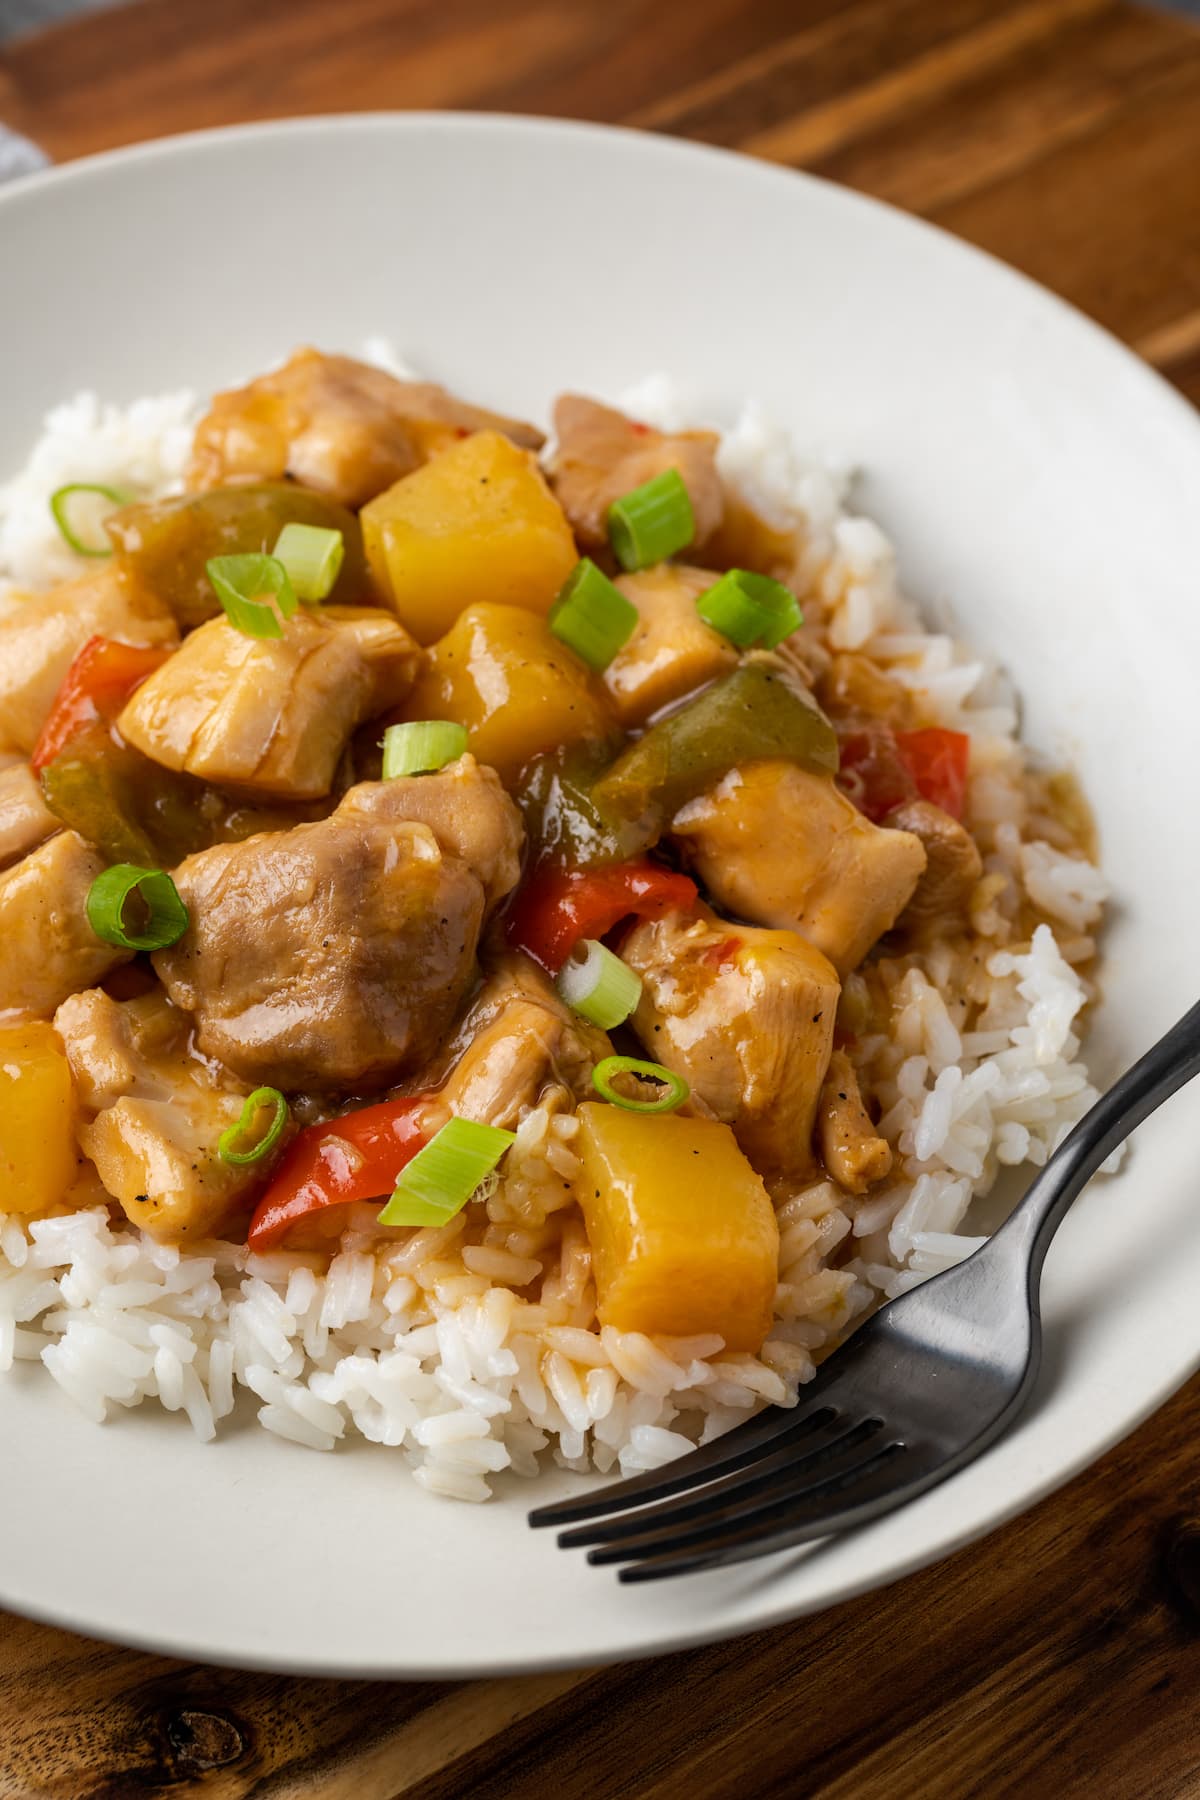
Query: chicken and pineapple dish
x=505 y=946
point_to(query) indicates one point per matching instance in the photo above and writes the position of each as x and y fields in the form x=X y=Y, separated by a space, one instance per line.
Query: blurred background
x=20 y=16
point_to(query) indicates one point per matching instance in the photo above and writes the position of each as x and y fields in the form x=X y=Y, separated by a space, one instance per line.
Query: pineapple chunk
x=502 y=673
x=476 y=523
x=682 y=1230
x=38 y=1158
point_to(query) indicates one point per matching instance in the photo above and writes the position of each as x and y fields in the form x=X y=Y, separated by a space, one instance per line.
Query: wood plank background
x=1062 y=1656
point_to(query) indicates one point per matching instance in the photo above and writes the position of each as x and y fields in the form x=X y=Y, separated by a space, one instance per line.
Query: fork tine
x=880 y=1488
x=777 y=1466
x=732 y=1450
x=780 y=1496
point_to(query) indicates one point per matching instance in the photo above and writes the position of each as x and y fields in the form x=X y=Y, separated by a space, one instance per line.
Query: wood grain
x=1062 y=1656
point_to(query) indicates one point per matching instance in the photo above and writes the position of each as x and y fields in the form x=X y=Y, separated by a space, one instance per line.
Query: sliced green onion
x=750 y=609
x=729 y=609
x=226 y=1143
x=777 y=601
x=441 y=1178
x=651 y=522
x=312 y=556
x=592 y=615
x=600 y=986
x=246 y=586
x=677 y=1089
x=166 y=917
x=63 y=504
x=422 y=747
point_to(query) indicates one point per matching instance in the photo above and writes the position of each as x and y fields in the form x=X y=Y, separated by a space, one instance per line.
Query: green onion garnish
x=651 y=522
x=750 y=609
x=246 y=585
x=592 y=615
x=63 y=504
x=165 y=915
x=677 y=1089
x=312 y=556
x=441 y=1178
x=777 y=601
x=422 y=747
x=600 y=986
x=263 y=1096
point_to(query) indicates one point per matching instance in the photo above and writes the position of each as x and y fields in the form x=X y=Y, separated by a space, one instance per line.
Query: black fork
x=917 y=1393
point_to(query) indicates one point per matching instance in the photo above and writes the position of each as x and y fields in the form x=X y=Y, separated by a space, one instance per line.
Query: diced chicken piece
x=152 y=1113
x=672 y=651
x=334 y=955
x=601 y=455
x=851 y=1149
x=47 y=948
x=745 y=540
x=466 y=808
x=783 y=847
x=25 y=819
x=953 y=866
x=340 y=426
x=746 y=1017
x=518 y=1037
x=40 y=637
x=272 y=715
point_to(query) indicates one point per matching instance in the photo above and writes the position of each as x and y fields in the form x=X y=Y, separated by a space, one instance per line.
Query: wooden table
x=1060 y=1657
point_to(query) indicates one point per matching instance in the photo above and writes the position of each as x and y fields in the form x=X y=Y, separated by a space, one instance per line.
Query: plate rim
x=172 y=144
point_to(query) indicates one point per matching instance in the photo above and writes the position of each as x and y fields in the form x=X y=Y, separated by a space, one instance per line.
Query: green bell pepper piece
x=165 y=545
x=758 y=711
x=565 y=827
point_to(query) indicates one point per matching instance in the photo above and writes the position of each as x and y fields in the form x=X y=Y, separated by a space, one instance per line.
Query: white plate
x=1042 y=486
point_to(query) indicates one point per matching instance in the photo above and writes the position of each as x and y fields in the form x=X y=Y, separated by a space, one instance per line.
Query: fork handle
x=1165 y=1068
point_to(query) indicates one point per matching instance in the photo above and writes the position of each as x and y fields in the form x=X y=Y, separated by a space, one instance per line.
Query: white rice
x=475 y=1349
x=143 y=447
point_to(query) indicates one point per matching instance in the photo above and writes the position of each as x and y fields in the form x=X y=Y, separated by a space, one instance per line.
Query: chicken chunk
x=40 y=637
x=336 y=425
x=152 y=1114
x=47 y=947
x=672 y=651
x=779 y=845
x=517 y=1037
x=25 y=819
x=746 y=1017
x=953 y=866
x=272 y=715
x=601 y=455
x=466 y=808
x=337 y=954
x=851 y=1149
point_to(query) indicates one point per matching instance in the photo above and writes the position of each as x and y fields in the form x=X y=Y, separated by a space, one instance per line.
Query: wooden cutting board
x=1060 y=1656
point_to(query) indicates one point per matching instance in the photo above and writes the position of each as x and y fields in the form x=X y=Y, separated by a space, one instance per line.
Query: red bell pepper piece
x=355 y=1157
x=557 y=907
x=882 y=769
x=96 y=686
x=937 y=761
x=871 y=772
